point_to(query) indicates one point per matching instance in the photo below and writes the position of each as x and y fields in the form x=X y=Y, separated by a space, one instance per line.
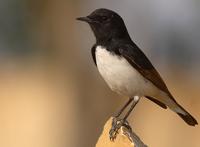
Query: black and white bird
x=124 y=66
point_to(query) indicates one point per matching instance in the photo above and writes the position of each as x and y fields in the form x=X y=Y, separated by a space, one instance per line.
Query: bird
x=126 y=69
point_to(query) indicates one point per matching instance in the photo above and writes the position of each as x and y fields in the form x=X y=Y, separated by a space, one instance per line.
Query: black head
x=106 y=24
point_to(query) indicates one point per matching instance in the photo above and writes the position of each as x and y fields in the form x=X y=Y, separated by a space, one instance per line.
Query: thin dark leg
x=130 y=110
x=124 y=107
x=117 y=123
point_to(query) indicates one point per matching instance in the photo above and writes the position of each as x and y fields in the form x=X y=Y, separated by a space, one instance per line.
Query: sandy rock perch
x=125 y=138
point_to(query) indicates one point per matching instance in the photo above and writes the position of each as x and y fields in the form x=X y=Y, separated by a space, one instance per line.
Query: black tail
x=189 y=119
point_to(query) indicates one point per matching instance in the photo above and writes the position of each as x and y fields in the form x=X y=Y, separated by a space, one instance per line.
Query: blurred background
x=51 y=94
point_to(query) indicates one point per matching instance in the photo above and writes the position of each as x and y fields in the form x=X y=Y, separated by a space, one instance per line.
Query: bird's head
x=106 y=24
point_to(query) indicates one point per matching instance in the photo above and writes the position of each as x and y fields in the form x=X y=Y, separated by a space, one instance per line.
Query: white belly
x=121 y=76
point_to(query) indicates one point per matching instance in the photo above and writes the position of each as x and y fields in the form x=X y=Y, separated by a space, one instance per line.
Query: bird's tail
x=186 y=116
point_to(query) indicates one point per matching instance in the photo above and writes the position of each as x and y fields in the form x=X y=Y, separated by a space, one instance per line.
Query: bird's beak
x=86 y=19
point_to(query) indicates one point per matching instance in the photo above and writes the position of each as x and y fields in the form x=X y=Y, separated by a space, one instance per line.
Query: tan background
x=51 y=94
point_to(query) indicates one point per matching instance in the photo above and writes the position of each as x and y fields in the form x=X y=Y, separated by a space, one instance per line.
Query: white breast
x=121 y=76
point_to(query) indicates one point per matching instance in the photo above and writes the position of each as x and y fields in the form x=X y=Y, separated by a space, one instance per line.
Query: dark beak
x=86 y=19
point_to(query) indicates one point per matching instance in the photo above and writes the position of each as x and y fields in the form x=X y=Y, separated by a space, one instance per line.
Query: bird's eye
x=104 y=18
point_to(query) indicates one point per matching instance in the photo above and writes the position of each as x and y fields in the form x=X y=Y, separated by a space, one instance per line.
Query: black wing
x=157 y=102
x=140 y=62
x=93 y=50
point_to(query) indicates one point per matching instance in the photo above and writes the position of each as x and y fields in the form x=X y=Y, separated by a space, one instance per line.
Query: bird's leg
x=116 y=119
x=124 y=107
x=118 y=123
x=135 y=101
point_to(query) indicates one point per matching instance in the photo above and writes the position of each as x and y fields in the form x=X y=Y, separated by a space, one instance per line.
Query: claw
x=116 y=125
x=114 y=129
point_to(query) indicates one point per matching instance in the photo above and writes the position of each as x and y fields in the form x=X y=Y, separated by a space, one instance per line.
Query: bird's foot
x=117 y=123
